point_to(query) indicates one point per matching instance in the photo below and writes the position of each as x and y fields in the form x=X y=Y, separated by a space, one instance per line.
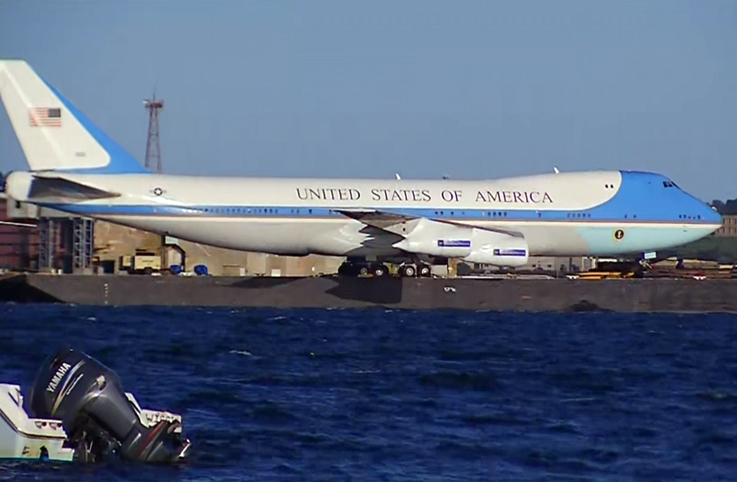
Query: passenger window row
x=489 y=214
x=242 y=210
x=453 y=213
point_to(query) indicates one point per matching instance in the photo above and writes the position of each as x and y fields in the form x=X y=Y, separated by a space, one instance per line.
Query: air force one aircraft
x=77 y=168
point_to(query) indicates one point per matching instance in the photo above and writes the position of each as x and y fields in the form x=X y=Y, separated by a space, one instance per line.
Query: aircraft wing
x=438 y=237
x=378 y=219
x=396 y=223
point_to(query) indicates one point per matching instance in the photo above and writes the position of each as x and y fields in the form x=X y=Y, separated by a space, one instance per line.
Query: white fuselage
x=590 y=213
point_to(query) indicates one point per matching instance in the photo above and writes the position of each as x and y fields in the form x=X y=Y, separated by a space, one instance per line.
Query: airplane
x=75 y=167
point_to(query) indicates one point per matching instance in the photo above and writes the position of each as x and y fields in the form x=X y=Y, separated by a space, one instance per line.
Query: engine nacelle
x=474 y=245
x=498 y=249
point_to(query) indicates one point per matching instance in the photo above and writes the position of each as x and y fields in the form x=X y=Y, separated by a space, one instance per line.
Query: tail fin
x=53 y=134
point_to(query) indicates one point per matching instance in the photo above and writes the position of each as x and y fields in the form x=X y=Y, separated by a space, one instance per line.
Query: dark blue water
x=374 y=395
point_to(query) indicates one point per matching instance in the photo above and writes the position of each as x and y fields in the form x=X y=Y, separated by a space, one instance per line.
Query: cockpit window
x=669 y=184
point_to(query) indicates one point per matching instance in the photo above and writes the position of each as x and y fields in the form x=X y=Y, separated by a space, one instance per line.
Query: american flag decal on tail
x=44 y=116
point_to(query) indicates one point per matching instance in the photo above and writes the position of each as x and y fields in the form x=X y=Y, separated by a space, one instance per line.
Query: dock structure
x=621 y=295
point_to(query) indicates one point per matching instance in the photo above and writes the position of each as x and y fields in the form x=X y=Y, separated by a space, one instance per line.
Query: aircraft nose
x=696 y=209
x=710 y=215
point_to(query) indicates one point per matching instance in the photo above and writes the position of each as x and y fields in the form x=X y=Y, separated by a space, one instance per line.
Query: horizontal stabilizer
x=57 y=189
x=21 y=225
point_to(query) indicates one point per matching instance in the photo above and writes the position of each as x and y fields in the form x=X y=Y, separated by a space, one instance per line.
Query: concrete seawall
x=664 y=295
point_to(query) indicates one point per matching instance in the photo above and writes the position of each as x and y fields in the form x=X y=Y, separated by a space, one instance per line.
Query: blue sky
x=426 y=88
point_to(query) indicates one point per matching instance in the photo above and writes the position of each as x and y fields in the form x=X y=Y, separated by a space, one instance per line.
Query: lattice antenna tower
x=153 y=144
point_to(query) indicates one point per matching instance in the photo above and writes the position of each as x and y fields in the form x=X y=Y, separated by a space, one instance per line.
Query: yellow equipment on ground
x=141 y=263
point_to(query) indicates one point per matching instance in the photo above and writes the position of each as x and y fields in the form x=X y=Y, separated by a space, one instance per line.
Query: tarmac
x=621 y=295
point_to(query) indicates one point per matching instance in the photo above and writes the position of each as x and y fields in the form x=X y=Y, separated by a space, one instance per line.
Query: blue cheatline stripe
x=326 y=213
x=120 y=161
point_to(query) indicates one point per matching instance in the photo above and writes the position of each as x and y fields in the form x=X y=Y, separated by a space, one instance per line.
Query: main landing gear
x=411 y=270
x=363 y=268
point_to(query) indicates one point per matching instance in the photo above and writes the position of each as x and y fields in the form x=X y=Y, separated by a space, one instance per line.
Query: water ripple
x=400 y=395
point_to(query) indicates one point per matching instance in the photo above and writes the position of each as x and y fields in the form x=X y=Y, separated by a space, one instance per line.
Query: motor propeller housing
x=100 y=420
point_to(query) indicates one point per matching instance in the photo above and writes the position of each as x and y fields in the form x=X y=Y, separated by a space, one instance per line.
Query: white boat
x=80 y=413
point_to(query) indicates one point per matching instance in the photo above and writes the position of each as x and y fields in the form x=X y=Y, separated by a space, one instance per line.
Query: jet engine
x=475 y=245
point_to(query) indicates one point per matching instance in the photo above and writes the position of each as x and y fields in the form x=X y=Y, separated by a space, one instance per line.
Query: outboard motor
x=100 y=420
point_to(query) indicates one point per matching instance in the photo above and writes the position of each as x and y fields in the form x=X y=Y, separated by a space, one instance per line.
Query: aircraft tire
x=379 y=271
x=348 y=269
x=408 y=271
x=425 y=271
